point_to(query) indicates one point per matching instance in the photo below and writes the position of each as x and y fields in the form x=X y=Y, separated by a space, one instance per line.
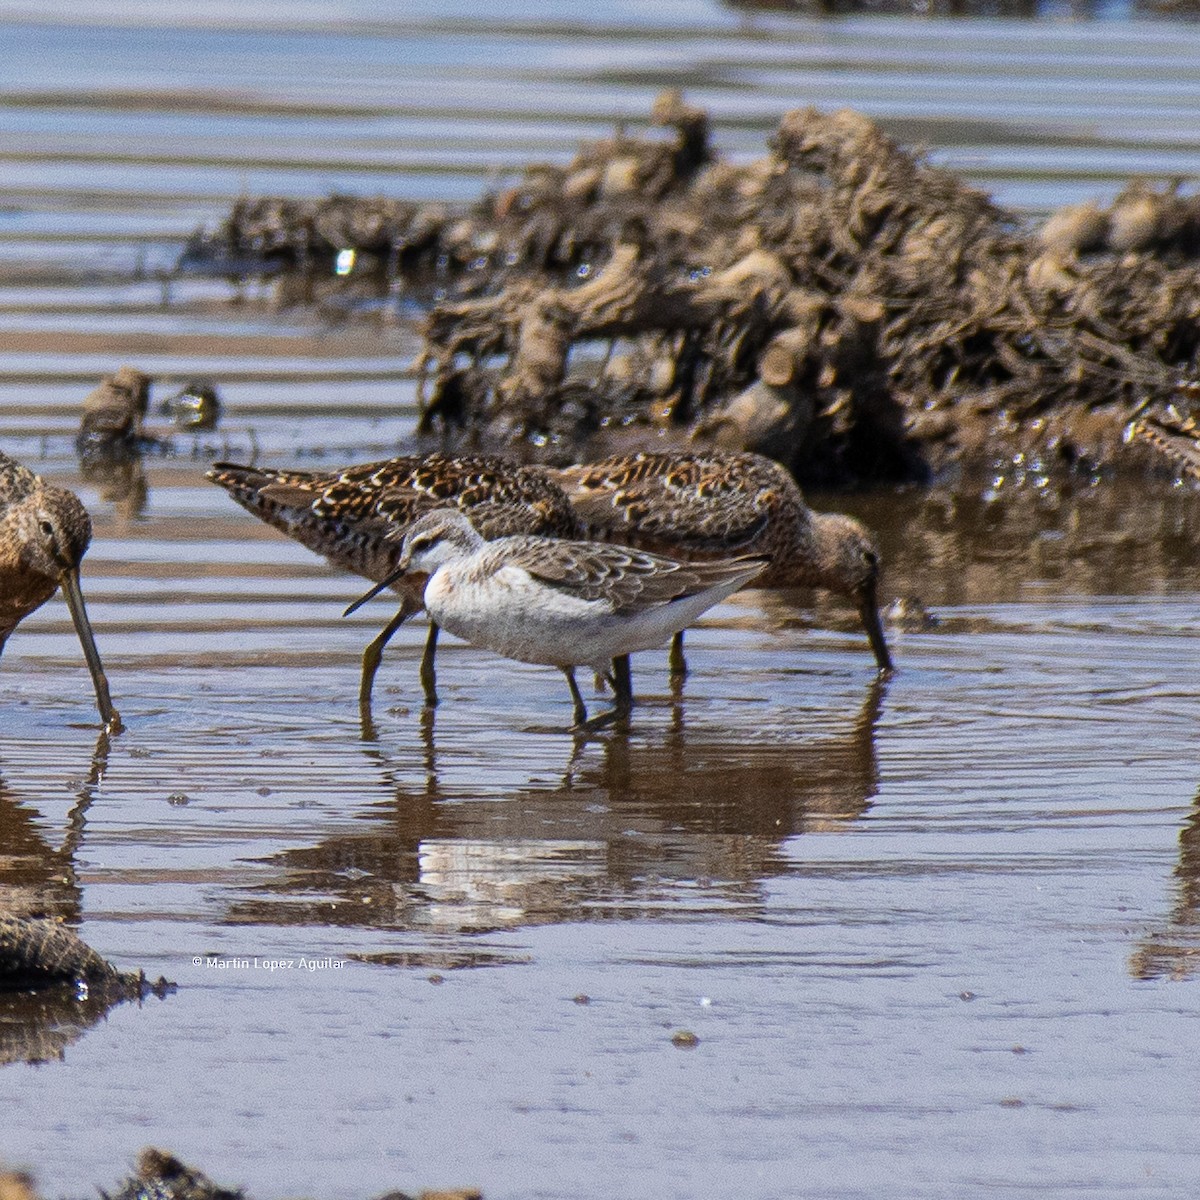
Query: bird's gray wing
x=627 y=579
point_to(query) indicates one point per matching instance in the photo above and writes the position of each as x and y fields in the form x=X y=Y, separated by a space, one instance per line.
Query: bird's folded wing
x=1178 y=440
x=629 y=580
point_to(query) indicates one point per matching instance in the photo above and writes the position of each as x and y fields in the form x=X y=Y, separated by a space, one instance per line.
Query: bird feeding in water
x=44 y=533
x=560 y=602
x=357 y=515
x=713 y=504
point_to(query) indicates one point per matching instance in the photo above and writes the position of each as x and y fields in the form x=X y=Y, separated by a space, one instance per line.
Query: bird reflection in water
x=698 y=816
x=39 y=879
x=1174 y=952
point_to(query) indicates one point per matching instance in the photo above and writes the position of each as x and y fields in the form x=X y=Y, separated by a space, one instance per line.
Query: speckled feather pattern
x=1178 y=438
x=27 y=578
x=353 y=516
x=627 y=581
x=711 y=504
x=17 y=483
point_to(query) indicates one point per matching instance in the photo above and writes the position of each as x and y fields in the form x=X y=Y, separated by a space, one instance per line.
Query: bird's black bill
x=73 y=595
x=379 y=587
x=868 y=611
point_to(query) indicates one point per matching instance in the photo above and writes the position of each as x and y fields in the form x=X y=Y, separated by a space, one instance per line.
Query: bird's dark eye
x=47 y=528
x=871 y=558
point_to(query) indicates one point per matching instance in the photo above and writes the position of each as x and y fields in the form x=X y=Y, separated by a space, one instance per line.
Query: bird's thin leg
x=676 y=660
x=428 y=675
x=622 y=678
x=373 y=654
x=580 y=708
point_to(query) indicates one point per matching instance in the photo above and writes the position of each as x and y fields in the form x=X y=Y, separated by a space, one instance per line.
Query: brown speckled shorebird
x=44 y=534
x=357 y=518
x=714 y=504
x=113 y=411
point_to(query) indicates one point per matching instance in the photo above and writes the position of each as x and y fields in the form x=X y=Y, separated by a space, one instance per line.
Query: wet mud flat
x=794 y=931
x=960 y=901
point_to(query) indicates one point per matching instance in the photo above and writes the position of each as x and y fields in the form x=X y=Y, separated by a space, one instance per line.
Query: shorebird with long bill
x=44 y=533
x=712 y=504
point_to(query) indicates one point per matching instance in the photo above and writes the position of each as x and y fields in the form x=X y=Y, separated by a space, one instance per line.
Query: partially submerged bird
x=44 y=534
x=714 y=504
x=113 y=412
x=560 y=602
x=356 y=517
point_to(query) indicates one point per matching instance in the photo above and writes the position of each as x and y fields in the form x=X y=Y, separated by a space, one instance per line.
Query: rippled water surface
x=937 y=936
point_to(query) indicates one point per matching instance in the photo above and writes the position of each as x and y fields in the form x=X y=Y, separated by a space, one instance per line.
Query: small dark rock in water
x=685 y=1039
x=195 y=407
x=908 y=615
x=161 y=1176
x=436 y=978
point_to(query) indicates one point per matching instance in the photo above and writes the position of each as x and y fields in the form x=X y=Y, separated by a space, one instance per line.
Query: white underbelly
x=515 y=615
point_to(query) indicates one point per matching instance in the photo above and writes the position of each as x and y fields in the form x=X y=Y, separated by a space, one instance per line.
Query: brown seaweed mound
x=838 y=304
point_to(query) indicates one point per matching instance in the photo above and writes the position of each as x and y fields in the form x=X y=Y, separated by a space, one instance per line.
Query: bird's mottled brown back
x=698 y=506
x=1175 y=436
x=357 y=517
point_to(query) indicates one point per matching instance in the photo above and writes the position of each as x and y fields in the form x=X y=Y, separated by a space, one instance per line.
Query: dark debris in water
x=54 y=987
x=838 y=304
x=37 y=953
x=160 y=1175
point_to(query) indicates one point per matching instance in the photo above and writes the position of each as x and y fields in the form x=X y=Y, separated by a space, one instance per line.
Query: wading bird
x=716 y=504
x=357 y=516
x=44 y=533
x=557 y=601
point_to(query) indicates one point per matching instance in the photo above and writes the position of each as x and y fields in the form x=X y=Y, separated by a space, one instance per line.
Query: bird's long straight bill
x=73 y=595
x=379 y=587
x=868 y=611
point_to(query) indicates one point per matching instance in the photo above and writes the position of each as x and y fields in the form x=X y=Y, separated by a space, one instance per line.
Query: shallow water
x=937 y=936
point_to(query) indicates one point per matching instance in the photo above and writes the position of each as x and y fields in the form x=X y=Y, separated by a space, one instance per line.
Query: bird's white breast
x=514 y=614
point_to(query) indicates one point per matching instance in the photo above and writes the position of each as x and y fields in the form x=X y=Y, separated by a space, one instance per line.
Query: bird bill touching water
x=714 y=504
x=559 y=602
x=692 y=507
x=44 y=533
